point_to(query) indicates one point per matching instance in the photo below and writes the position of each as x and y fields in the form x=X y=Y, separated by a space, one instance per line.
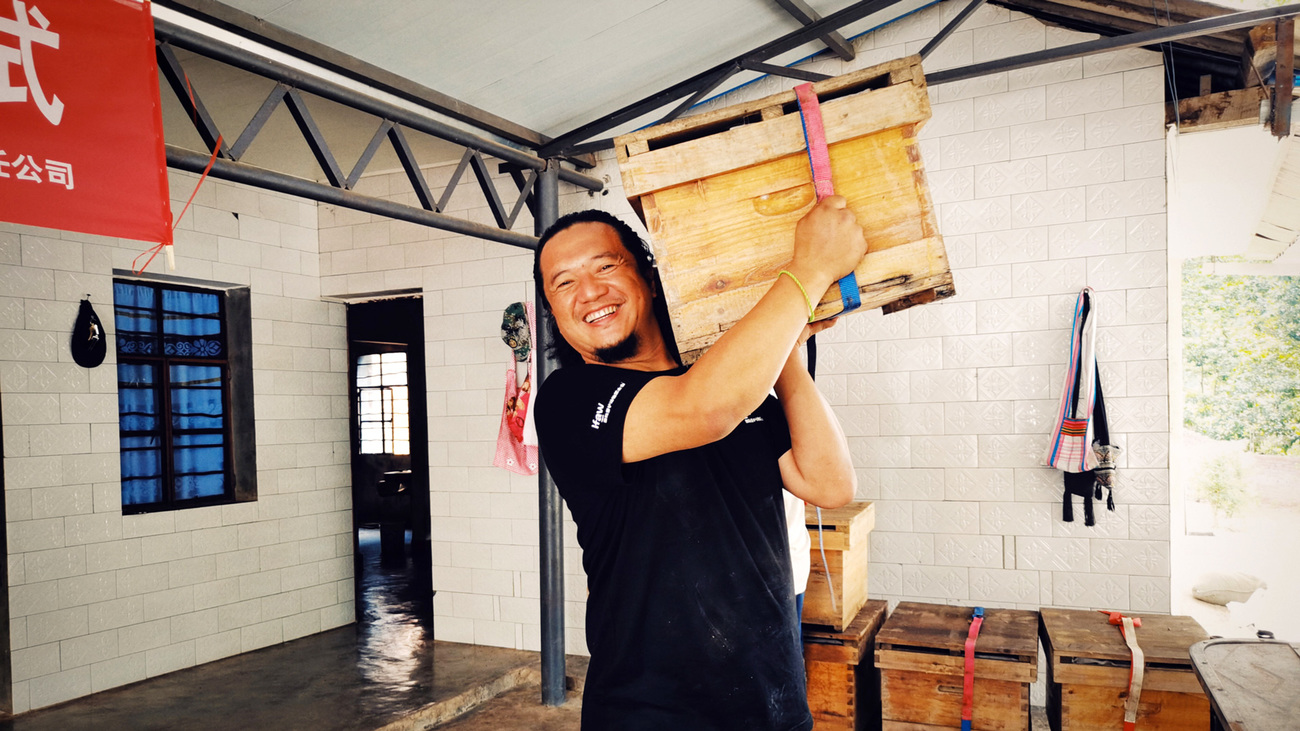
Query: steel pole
x=548 y=497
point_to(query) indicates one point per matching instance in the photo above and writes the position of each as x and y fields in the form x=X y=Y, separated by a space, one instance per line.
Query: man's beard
x=620 y=351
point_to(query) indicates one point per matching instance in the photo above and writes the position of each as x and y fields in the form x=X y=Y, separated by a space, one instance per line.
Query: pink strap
x=815 y=133
x=819 y=159
x=968 y=679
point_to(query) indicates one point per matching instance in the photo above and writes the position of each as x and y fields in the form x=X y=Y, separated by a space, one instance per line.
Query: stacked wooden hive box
x=840 y=623
x=720 y=194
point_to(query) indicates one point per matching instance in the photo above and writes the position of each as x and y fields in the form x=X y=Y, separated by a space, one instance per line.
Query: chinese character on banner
x=28 y=34
x=79 y=90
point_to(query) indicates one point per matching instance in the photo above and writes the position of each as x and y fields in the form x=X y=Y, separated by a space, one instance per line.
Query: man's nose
x=590 y=288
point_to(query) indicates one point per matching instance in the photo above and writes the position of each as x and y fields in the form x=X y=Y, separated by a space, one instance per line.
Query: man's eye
x=564 y=284
x=606 y=267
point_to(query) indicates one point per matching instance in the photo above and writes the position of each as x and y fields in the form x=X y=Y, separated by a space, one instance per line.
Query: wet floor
x=364 y=676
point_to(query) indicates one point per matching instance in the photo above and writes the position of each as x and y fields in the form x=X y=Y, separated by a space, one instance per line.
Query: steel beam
x=310 y=132
x=956 y=22
x=250 y=26
x=240 y=58
x=704 y=90
x=789 y=73
x=367 y=154
x=551 y=526
x=412 y=169
x=259 y=120
x=179 y=81
x=802 y=12
x=567 y=142
x=237 y=172
x=1153 y=37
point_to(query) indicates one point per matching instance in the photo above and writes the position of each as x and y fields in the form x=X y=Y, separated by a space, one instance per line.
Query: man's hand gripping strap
x=819 y=158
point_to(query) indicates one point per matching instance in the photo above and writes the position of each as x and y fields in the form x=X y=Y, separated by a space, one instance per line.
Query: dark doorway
x=390 y=465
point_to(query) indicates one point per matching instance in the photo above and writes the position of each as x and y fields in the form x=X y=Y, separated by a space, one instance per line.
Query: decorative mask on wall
x=514 y=331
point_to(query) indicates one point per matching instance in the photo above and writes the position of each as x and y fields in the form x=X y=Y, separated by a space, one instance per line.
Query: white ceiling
x=547 y=65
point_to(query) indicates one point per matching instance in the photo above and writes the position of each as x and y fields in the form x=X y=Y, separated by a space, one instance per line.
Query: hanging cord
x=821 y=543
x=165 y=246
x=1171 y=75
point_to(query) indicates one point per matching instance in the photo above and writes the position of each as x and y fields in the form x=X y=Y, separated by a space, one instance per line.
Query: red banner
x=81 y=138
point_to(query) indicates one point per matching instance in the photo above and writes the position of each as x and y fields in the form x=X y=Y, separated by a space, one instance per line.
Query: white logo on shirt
x=753 y=419
x=603 y=410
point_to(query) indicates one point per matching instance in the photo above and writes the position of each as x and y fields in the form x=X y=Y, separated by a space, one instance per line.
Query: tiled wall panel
x=98 y=599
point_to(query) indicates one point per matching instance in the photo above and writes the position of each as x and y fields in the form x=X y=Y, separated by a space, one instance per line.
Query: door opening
x=390 y=464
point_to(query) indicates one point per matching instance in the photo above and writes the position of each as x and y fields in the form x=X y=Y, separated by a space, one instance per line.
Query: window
x=178 y=415
x=383 y=408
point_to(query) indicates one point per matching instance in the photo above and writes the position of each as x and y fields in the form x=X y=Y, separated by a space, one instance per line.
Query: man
x=674 y=478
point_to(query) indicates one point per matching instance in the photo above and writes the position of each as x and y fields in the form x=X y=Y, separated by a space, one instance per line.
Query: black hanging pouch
x=89 y=343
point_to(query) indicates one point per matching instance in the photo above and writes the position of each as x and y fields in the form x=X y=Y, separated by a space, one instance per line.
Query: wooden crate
x=721 y=192
x=845 y=535
x=843 y=684
x=920 y=656
x=1088 y=670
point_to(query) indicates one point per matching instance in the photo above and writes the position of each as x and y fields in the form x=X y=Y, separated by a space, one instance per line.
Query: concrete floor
x=323 y=682
x=385 y=673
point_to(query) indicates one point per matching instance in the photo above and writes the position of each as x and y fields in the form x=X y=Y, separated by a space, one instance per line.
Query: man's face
x=600 y=302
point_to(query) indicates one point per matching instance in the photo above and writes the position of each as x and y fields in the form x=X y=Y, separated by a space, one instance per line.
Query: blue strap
x=849 y=293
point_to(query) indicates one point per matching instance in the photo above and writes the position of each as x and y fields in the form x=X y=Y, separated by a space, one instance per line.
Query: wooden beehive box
x=843 y=684
x=1088 y=672
x=845 y=536
x=720 y=194
x=920 y=656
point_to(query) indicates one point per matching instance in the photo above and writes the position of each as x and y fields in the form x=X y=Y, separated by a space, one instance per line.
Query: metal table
x=1253 y=685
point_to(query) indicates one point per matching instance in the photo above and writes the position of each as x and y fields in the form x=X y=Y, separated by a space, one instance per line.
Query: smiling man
x=674 y=477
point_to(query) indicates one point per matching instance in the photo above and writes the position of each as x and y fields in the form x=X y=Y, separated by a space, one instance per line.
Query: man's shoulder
x=591 y=386
x=578 y=385
x=594 y=377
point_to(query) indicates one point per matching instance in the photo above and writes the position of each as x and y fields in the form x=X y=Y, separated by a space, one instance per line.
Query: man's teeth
x=598 y=314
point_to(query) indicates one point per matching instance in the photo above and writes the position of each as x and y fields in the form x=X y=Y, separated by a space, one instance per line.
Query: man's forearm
x=743 y=366
x=817 y=443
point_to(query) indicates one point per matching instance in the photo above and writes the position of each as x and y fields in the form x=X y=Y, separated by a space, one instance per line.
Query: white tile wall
x=1046 y=179
x=99 y=599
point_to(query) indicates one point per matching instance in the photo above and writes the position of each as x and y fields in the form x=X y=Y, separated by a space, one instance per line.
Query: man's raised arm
x=729 y=381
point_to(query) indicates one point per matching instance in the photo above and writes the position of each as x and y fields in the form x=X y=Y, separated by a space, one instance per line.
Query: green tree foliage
x=1222 y=483
x=1241 y=358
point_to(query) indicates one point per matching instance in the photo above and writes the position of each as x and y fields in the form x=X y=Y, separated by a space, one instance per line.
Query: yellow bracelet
x=799 y=284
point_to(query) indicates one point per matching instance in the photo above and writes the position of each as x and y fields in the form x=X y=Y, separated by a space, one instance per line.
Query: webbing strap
x=968 y=681
x=1136 y=668
x=819 y=158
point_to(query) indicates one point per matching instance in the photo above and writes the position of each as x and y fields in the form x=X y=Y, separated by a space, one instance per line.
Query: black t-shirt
x=690 y=617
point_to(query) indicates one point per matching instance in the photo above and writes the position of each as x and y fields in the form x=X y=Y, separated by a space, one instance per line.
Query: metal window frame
x=387 y=416
x=163 y=398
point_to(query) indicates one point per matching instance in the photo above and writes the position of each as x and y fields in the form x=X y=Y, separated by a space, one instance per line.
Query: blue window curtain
x=141 y=436
x=172 y=395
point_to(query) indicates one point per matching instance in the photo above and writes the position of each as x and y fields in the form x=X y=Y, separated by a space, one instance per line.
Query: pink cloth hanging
x=517 y=438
